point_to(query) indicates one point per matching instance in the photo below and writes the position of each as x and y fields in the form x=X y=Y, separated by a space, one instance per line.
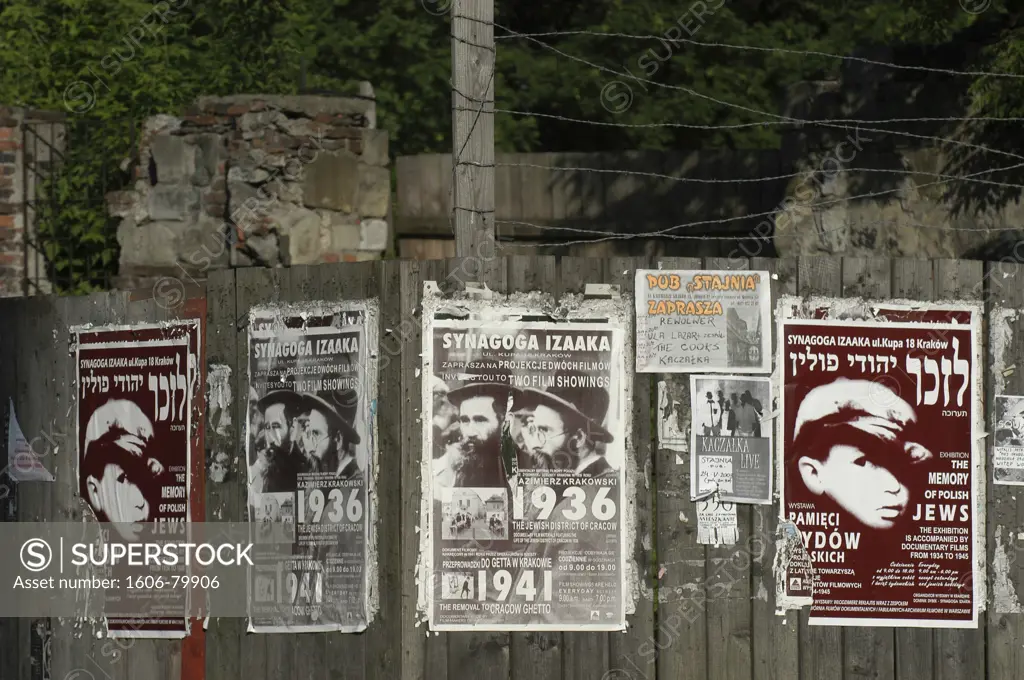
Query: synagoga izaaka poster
x=524 y=430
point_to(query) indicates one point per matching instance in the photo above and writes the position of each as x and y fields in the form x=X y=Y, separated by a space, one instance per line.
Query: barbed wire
x=775 y=211
x=776 y=120
x=748 y=180
x=754 y=48
x=776 y=116
x=770 y=123
x=605 y=236
x=457 y=159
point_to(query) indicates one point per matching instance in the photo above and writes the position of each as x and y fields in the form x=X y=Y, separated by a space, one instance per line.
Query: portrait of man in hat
x=277 y=462
x=561 y=428
x=328 y=437
x=856 y=450
x=120 y=476
x=477 y=461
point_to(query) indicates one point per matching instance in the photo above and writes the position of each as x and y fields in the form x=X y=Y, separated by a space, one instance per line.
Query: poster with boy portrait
x=137 y=387
x=880 y=476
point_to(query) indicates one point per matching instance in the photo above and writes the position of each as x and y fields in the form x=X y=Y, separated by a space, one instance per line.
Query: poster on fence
x=731 y=452
x=673 y=423
x=703 y=321
x=879 y=431
x=310 y=465
x=525 y=456
x=138 y=388
x=1008 y=443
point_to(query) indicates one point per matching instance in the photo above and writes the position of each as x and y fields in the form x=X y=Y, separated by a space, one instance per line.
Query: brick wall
x=11 y=217
x=18 y=261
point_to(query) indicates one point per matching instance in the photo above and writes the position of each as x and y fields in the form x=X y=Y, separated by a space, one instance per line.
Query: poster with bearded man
x=881 y=470
x=310 y=466
x=524 y=477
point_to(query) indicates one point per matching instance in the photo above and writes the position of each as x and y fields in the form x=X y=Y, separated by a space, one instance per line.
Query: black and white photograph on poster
x=311 y=460
x=524 y=473
x=1008 y=443
x=731 y=449
x=692 y=321
x=673 y=427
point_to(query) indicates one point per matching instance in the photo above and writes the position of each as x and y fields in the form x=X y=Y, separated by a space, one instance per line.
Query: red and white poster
x=879 y=430
x=137 y=389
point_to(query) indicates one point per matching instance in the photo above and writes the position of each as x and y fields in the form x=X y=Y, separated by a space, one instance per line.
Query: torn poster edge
x=1000 y=329
x=681 y=445
x=865 y=309
x=370 y=308
x=37 y=472
x=617 y=313
x=219 y=396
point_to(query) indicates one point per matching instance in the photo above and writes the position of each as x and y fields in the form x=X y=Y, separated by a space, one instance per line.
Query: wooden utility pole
x=473 y=127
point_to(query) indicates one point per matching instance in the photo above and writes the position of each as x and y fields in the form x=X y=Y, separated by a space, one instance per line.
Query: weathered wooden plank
x=306 y=653
x=728 y=581
x=224 y=501
x=77 y=642
x=535 y=187
x=1004 y=287
x=637 y=639
x=253 y=286
x=478 y=654
x=347 y=656
x=537 y=654
x=961 y=652
x=820 y=646
x=682 y=592
x=507 y=187
x=11 y=310
x=408 y=172
x=868 y=652
x=775 y=639
x=915 y=647
x=149 y=658
x=426 y=248
x=383 y=655
x=585 y=655
x=424 y=656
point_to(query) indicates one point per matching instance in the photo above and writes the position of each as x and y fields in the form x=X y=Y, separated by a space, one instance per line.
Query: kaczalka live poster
x=879 y=432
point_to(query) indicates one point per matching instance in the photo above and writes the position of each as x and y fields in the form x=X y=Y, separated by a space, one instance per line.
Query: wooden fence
x=621 y=193
x=736 y=636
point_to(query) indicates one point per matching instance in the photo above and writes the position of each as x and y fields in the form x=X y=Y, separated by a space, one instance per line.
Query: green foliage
x=110 y=63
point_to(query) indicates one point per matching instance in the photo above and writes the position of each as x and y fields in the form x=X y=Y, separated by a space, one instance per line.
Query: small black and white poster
x=310 y=447
x=1008 y=444
x=673 y=432
x=731 y=449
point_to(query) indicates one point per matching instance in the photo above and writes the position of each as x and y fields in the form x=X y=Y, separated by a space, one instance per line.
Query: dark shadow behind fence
x=715 y=613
